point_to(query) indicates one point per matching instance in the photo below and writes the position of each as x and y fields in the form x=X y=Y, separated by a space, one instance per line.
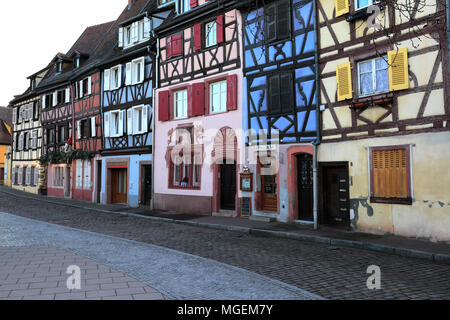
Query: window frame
x=185 y=105
x=112 y=123
x=112 y=78
x=208 y=32
x=409 y=178
x=175 y=180
x=374 y=77
x=371 y=3
x=211 y=94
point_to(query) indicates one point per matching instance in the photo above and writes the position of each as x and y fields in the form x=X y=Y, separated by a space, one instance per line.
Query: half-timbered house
x=26 y=173
x=281 y=106
x=384 y=156
x=127 y=106
x=199 y=108
x=71 y=81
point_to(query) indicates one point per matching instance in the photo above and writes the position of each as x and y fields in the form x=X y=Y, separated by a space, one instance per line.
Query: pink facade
x=209 y=128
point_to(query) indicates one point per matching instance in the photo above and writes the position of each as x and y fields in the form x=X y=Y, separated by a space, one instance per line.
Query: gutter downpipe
x=448 y=25
x=155 y=86
x=317 y=142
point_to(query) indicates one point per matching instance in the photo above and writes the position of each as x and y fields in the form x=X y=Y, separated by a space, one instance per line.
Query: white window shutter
x=130 y=121
x=43 y=101
x=106 y=79
x=67 y=95
x=120 y=37
x=119 y=76
x=36 y=176
x=106 y=119
x=145 y=118
x=134 y=32
x=89 y=85
x=93 y=128
x=87 y=174
x=78 y=130
x=128 y=74
x=14 y=118
x=121 y=117
x=55 y=98
x=142 y=73
x=147 y=27
x=34 y=140
x=79 y=173
x=81 y=89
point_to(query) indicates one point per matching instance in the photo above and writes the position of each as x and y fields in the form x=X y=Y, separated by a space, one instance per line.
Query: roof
x=5 y=119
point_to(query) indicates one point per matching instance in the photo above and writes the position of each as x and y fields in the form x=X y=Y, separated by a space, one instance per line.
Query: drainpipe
x=155 y=86
x=317 y=142
x=448 y=25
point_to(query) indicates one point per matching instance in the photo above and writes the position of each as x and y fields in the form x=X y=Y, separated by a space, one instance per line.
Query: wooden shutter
x=89 y=88
x=145 y=110
x=81 y=89
x=341 y=7
x=67 y=95
x=163 y=106
x=286 y=93
x=390 y=173
x=169 y=47
x=197 y=37
x=119 y=75
x=93 y=128
x=78 y=130
x=55 y=98
x=398 y=69
x=130 y=121
x=220 y=29
x=274 y=94
x=177 y=45
x=106 y=119
x=128 y=74
x=271 y=23
x=106 y=79
x=283 y=20
x=122 y=115
x=120 y=37
x=147 y=27
x=196 y=103
x=232 y=92
x=194 y=3
x=344 y=81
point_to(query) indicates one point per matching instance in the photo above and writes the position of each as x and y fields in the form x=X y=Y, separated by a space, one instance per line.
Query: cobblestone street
x=329 y=272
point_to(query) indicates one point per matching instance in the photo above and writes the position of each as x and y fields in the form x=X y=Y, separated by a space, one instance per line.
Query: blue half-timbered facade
x=281 y=98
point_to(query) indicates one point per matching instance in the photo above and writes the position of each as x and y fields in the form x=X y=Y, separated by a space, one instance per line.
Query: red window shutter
x=220 y=28
x=232 y=92
x=177 y=45
x=198 y=99
x=169 y=47
x=163 y=107
x=194 y=3
x=197 y=37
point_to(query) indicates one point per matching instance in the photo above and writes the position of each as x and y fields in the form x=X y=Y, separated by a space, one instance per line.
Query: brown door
x=119 y=186
x=336 y=196
x=269 y=191
x=228 y=186
x=305 y=187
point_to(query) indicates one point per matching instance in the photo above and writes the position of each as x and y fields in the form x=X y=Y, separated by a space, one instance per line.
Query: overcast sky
x=33 y=32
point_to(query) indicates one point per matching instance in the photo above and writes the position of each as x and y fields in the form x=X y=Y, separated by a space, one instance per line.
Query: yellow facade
x=414 y=115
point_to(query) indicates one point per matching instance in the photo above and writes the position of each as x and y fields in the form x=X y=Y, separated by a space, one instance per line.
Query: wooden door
x=228 y=186
x=336 y=196
x=119 y=186
x=147 y=185
x=305 y=187
x=269 y=191
x=99 y=180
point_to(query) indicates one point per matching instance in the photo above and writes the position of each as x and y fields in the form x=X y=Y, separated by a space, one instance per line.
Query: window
x=278 y=21
x=137 y=71
x=211 y=34
x=135 y=33
x=373 y=76
x=281 y=93
x=127 y=36
x=116 y=77
x=20 y=176
x=187 y=174
x=364 y=3
x=180 y=104
x=87 y=175
x=26 y=139
x=84 y=129
x=32 y=176
x=116 y=123
x=138 y=120
x=77 y=62
x=59 y=67
x=48 y=100
x=36 y=176
x=61 y=97
x=28 y=176
x=390 y=180
x=185 y=6
x=51 y=136
x=58 y=176
x=34 y=139
x=79 y=174
x=218 y=97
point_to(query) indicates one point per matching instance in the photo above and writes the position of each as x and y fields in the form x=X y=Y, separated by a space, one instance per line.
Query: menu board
x=246 y=207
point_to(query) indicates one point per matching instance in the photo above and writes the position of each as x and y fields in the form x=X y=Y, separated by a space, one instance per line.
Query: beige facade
x=414 y=117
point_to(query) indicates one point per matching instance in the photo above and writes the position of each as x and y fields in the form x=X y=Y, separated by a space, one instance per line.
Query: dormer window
x=59 y=67
x=134 y=33
x=77 y=62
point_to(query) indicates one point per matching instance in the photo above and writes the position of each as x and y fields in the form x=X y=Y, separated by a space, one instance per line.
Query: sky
x=33 y=32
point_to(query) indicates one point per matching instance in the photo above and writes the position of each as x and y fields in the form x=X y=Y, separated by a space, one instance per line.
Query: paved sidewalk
x=40 y=273
x=402 y=246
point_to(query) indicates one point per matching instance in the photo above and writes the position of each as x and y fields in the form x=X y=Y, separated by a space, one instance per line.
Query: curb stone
x=404 y=252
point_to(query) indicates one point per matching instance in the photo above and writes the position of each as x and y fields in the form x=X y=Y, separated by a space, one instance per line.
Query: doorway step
x=264 y=216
